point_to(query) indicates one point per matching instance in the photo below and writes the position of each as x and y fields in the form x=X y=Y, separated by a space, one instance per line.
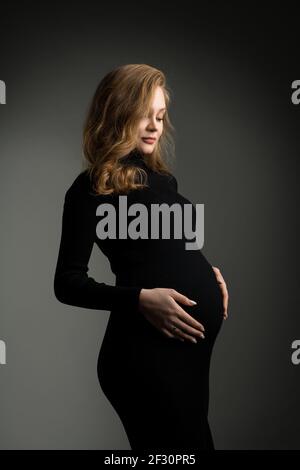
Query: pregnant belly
x=189 y=273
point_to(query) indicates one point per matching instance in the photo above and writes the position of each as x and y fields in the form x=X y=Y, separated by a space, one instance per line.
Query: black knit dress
x=159 y=386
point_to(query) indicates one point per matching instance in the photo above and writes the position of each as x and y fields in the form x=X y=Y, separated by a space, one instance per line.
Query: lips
x=148 y=140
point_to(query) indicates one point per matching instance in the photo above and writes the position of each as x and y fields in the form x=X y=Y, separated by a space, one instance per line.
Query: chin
x=147 y=149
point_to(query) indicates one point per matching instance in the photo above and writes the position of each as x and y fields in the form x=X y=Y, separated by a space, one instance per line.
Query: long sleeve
x=72 y=285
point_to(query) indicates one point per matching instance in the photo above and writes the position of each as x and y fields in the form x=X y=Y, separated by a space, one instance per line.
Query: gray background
x=237 y=141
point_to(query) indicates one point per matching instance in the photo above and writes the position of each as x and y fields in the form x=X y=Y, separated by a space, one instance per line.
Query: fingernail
x=194 y=340
x=202 y=336
x=193 y=302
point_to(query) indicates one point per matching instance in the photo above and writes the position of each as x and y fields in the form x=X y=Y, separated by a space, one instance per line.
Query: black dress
x=159 y=386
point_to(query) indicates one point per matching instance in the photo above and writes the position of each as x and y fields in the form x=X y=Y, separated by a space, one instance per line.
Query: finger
x=183 y=315
x=225 y=314
x=226 y=301
x=220 y=279
x=170 y=334
x=225 y=295
x=218 y=275
x=217 y=272
x=183 y=299
x=224 y=291
x=176 y=296
x=182 y=335
x=167 y=332
x=181 y=325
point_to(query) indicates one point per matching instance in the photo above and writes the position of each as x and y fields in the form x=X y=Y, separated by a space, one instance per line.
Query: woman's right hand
x=160 y=308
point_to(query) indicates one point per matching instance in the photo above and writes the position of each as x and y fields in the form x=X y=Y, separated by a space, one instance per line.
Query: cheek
x=141 y=129
x=142 y=126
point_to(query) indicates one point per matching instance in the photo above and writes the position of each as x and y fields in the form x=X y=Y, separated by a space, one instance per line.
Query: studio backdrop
x=235 y=105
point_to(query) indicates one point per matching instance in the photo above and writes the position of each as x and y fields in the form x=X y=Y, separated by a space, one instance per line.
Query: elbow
x=61 y=291
x=58 y=291
x=68 y=288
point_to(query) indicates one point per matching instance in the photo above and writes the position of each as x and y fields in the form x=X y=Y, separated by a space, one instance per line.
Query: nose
x=152 y=125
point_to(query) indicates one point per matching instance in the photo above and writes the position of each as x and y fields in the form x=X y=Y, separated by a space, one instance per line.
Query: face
x=152 y=126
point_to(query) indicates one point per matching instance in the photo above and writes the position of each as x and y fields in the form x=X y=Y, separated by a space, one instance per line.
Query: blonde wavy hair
x=121 y=99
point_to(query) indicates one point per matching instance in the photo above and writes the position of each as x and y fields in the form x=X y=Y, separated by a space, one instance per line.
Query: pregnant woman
x=168 y=303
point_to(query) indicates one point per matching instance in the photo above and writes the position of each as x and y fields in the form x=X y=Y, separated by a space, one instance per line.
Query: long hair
x=121 y=99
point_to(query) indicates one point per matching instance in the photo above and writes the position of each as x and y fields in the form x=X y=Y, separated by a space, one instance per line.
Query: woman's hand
x=160 y=308
x=224 y=290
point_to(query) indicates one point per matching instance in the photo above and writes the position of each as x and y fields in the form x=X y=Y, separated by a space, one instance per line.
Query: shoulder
x=81 y=185
x=82 y=188
x=80 y=193
x=78 y=196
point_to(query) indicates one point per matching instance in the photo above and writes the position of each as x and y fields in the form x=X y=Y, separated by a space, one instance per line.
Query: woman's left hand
x=224 y=290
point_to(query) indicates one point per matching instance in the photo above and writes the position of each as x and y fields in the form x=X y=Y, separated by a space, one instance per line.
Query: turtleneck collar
x=135 y=153
x=135 y=156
